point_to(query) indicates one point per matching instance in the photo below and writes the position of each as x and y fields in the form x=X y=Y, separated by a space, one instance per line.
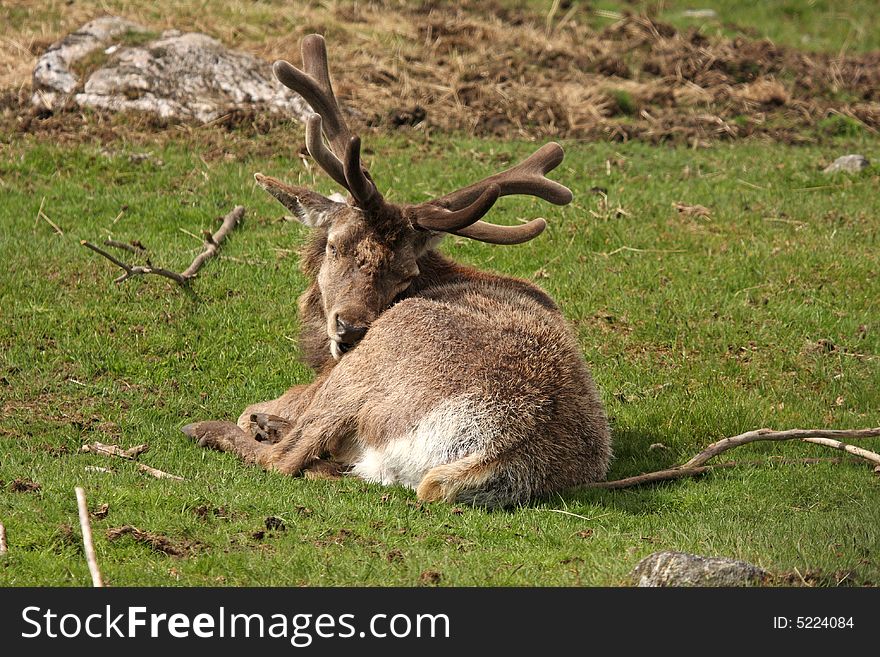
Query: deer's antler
x=459 y=212
x=342 y=159
x=527 y=178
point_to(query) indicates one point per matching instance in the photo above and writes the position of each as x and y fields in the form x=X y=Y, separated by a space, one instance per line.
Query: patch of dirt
x=24 y=486
x=430 y=578
x=156 y=542
x=339 y=538
x=204 y=512
x=486 y=69
x=275 y=523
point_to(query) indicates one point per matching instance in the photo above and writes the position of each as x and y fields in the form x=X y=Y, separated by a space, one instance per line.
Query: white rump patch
x=454 y=429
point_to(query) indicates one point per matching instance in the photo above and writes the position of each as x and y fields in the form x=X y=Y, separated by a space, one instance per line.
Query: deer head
x=371 y=248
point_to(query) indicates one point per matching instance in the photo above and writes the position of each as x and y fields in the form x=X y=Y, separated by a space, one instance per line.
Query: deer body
x=463 y=385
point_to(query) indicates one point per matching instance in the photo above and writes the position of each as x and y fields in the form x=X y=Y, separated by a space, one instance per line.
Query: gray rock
x=188 y=76
x=53 y=80
x=683 y=569
x=847 y=164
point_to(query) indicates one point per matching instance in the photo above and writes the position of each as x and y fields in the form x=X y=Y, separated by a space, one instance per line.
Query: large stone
x=683 y=569
x=847 y=164
x=53 y=81
x=177 y=76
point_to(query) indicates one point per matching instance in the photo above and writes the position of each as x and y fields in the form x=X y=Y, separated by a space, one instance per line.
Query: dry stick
x=122 y=245
x=115 y=450
x=792 y=434
x=87 y=537
x=212 y=242
x=158 y=474
x=695 y=467
x=212 y=245
x=3 y=547
x=129 y=455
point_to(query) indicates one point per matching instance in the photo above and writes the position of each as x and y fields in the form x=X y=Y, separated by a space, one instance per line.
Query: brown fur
x=464 y=385
x=450 y=333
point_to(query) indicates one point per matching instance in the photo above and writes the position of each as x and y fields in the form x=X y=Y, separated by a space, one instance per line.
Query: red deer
x=465 y=385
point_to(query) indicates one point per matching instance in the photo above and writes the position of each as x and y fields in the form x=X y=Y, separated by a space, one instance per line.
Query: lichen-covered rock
x=53 y=79
x=177 y=76
x=848 y=164
x=683 y=569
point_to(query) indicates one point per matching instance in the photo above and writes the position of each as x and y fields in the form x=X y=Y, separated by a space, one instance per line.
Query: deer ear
x=308 y=207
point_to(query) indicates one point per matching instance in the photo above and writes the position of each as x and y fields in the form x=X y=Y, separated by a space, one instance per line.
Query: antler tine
x=527 y=178
x=323 y=155
x=314 y=56
x=313 y=84
x=441 y=219
x=361 y=186
x=495 y=234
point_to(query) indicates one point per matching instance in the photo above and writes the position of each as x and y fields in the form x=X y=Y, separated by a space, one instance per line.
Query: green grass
x=816 y=25
x=700 y=328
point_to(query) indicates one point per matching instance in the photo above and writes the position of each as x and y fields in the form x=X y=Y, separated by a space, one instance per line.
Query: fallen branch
x=158 y=474
x=115 y=450
x=807 y=435
x=211 y=247
x=42 y=215
x=3 y=547
x=130 y=454
x=89 y=545
x=696 y=466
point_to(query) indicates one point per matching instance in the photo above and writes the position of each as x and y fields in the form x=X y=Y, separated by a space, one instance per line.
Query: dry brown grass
x=486 y=69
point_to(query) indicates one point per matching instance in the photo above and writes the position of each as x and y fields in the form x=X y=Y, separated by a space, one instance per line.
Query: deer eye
x=331 y=250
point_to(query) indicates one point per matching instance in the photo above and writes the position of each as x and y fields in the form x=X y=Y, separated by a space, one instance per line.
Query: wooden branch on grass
x=3 y=547
x=130 y=454
x=115 y=450
x=807 y=435
x=89 y=545
x=211 y=247
x=696 y=466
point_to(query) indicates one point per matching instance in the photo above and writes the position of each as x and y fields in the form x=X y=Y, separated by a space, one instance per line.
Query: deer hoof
x=268 y=428
x=216 y=435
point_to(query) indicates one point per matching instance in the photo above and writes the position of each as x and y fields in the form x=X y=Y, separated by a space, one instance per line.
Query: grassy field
x=762 y=314
x=760 y=311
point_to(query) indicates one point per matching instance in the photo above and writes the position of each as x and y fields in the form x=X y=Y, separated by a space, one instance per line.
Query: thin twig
x=125 y=247
x=42 y=215
x=130 y=271
x=696 y=466
x=89 y=545
x=129 y=455
x=632 y=249
x=212 y=245
x=792 y=434
x=850 y=449
x=576 y=515
x=158 y=474
x=3 y=547
x=212 y=242
x=39 y=212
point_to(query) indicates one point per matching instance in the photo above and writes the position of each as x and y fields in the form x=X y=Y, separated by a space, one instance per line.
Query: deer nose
x=348 y=333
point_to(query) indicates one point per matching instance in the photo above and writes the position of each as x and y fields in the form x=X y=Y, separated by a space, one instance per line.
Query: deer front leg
x=313 y=436
x=226 y=437
x=268 y=421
